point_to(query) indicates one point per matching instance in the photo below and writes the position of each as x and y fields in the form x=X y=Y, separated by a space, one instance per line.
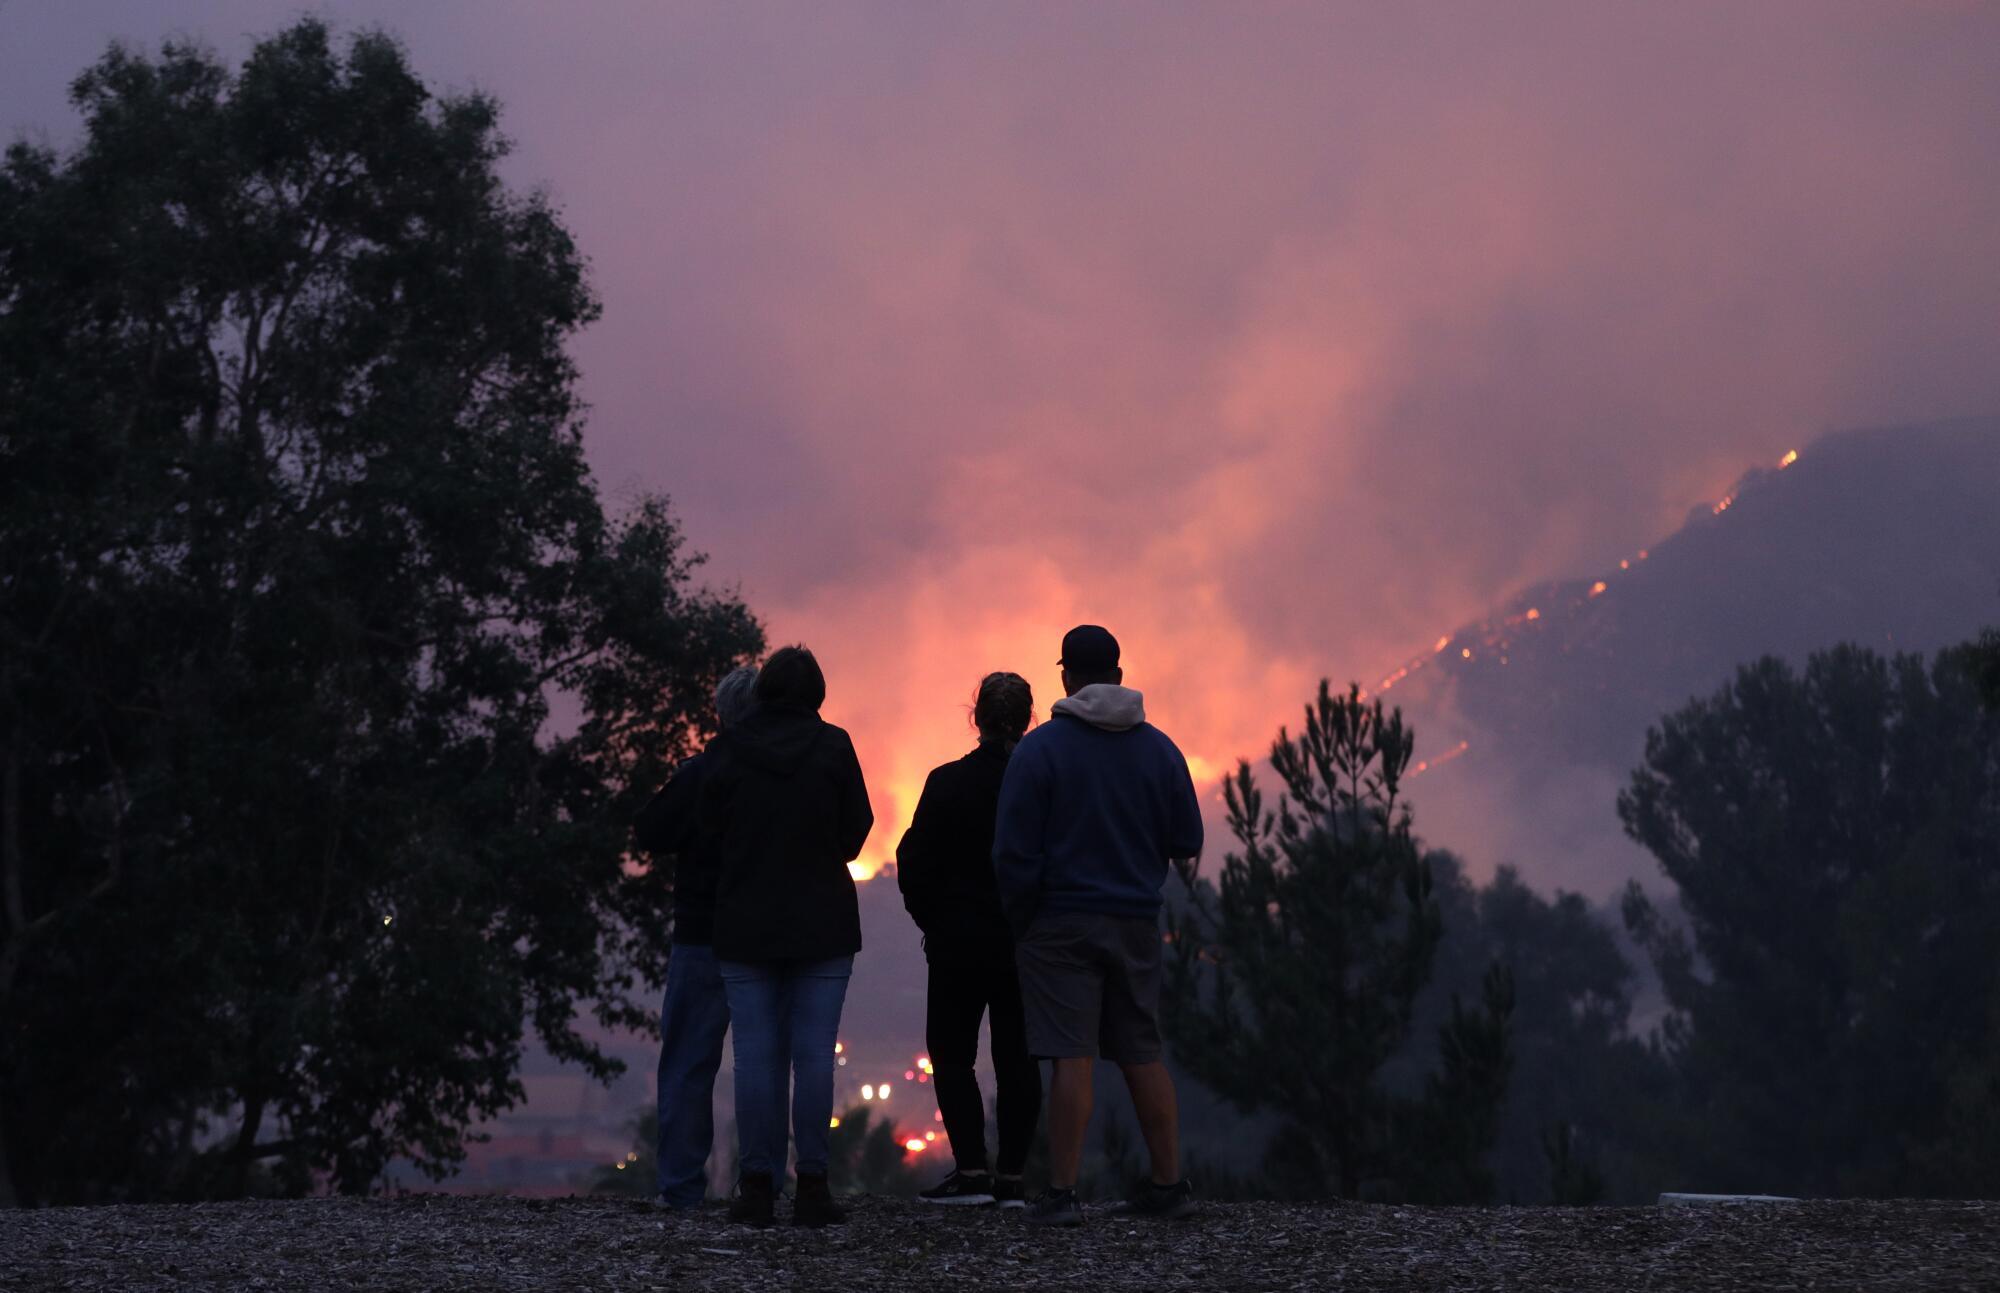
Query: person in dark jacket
x=944 y=867
x=787 y=809
x=694 y=1013
x=1094 y=804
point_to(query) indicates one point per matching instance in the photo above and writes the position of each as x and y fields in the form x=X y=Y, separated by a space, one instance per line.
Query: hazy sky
x=1279 y=338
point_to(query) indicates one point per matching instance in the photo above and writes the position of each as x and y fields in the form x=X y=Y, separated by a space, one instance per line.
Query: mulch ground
x=453 y=1242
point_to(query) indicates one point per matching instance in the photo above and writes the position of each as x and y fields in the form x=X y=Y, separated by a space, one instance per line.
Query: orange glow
x=914 y=1145
x=1466 y=652
x=1625 y=565
x=1534 y=614
x=1723 y=506
x=1598 y=587
x=1442 y=643
x=1788 y=459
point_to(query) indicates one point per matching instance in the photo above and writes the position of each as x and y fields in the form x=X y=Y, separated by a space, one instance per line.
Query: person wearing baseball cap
x=1094 y=804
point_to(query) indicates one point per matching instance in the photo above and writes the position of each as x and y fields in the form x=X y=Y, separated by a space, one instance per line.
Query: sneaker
x=756 y=1201
x=1163 y=1201
x=814 y=1207
x=1055 y=1207
x=962 y=1188
x=1008 y=1192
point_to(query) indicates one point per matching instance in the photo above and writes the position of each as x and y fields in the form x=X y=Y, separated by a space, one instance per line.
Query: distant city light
x=834 y=1123
x=924 y=1063
x=387 y=919
x=930 y=1135
x=1534 y=614
x=909 y=1075
x=1598 y=587
x=868 y=1091
x=883 y=1090
x=914 y=1145
x=1466 y=652
x=1790 y=458
x=838 y=1047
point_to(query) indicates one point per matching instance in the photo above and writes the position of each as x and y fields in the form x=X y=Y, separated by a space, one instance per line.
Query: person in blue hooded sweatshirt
x=1094 y=805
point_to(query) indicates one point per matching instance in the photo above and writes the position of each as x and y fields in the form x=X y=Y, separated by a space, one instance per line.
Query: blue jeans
x=693 y=1017
x=786 y=1016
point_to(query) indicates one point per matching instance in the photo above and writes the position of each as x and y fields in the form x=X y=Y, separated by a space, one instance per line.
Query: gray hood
x=1105 y=705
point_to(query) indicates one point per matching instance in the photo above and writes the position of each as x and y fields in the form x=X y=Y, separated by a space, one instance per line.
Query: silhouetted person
x=944 y=867
x=788 y=809
x=1094 y=804
x=694 y=1013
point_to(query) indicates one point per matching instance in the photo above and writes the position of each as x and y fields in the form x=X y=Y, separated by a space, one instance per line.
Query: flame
x=1790 y=457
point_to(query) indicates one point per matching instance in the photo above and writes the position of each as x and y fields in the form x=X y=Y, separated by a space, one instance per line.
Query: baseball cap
x=1089 y=649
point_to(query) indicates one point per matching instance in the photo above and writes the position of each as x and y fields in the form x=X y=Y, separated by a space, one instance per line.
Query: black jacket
x=944 y=864
x=669 y=825
x=787 y=810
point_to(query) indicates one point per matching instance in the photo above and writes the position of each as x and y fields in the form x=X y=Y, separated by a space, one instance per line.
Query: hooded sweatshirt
x=1094 y=803
x=787 y=809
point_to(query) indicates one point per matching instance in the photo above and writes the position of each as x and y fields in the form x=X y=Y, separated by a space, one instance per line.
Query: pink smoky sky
x=1279 y=338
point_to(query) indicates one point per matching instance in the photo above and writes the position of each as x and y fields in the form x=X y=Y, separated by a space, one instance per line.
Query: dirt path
x=438 y=1242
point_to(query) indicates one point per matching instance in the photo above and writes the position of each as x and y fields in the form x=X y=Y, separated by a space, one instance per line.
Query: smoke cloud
x=1278 y=339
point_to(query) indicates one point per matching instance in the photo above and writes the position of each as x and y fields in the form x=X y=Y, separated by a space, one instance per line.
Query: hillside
x=1886 y=537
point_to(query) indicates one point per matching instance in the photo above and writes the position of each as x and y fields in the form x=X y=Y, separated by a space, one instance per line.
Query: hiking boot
x=814 y=1205
x=1008 y=1193
x=962 y=1188
x=1163 y=1201
x=1055 y=1207
x=756 y=1202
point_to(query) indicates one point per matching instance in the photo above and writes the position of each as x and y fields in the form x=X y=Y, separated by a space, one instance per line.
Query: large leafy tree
x=1296 y=974
x=1835 y=837
x=326 y=682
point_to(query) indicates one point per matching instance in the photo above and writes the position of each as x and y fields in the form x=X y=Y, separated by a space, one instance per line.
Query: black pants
x=960 y=992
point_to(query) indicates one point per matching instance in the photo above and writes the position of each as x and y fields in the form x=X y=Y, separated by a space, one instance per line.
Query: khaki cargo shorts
x=1090 y=986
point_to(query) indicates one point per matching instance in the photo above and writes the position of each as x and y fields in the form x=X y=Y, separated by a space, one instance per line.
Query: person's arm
x=667 y=823
x=857 y=818
x=1184 y=828
x=1020 y=846
x=917 y=860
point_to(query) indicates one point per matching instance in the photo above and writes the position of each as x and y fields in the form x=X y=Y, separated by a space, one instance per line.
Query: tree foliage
x=1295 y=975
x=1583 y=1118
x=326 y=682
x=1835 y=838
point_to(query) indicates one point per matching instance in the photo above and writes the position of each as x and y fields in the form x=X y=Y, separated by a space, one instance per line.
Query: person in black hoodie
x=787 y=809
x=694 y=1013
x=944 y=867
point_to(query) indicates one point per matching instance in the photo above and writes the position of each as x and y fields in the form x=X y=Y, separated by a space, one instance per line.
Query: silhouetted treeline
x=1831 y=1013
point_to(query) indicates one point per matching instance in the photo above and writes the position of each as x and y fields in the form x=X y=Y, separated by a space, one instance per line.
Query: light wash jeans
x=785 y=1016
x=694 y=1015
